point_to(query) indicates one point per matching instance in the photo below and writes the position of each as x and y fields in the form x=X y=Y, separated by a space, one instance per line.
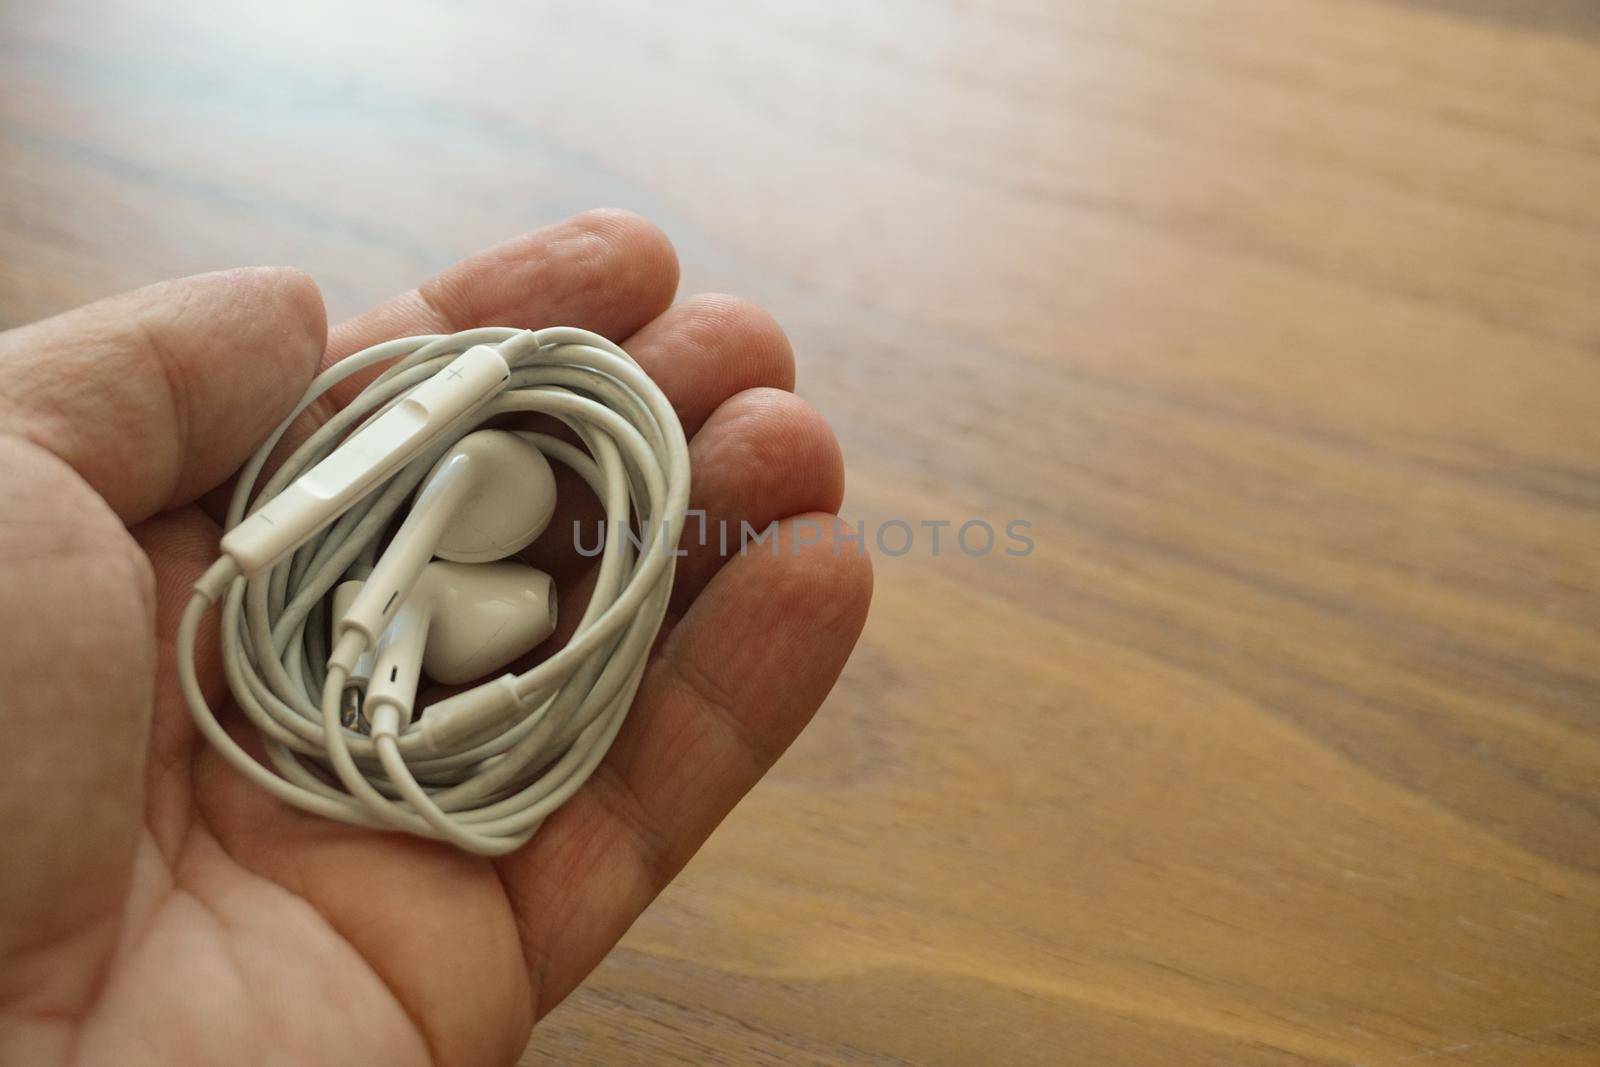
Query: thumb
x=76 y=678
x=157 y=395
x=110 y=413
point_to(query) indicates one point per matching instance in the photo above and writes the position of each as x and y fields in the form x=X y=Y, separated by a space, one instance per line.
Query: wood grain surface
x=1278 y=320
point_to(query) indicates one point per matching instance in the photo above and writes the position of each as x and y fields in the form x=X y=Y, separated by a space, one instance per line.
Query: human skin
x=154 y=906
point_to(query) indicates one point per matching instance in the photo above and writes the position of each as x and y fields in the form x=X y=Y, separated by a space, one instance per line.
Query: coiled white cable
x=482 y=769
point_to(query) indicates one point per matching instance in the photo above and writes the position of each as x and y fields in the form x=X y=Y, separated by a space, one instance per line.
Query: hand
x=155 y=907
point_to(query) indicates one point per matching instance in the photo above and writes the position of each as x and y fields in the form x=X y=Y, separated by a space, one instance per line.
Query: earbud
x=486 y=498
x=460 y=622
x=505 y=495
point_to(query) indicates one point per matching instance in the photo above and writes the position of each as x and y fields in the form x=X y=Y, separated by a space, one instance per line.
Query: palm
x=216 y=921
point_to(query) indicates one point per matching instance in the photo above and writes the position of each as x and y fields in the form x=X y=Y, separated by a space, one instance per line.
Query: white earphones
x=459 y=622
x=487 y=498
x=326 y=630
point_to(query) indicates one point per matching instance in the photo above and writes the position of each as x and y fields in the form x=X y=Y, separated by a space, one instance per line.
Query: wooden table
x=1278 y=320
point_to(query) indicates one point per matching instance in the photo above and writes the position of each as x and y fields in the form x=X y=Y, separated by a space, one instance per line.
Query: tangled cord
x=484 y=772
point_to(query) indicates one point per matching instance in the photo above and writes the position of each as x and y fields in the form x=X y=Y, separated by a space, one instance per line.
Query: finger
x=731 y=686
x=608 y=271
x=155 y=396
x=700 y=352
x=709 y=347
x=763 y=455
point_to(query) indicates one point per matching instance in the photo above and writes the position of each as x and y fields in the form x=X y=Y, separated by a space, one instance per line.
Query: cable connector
x=454 y=719
x=350 y=711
